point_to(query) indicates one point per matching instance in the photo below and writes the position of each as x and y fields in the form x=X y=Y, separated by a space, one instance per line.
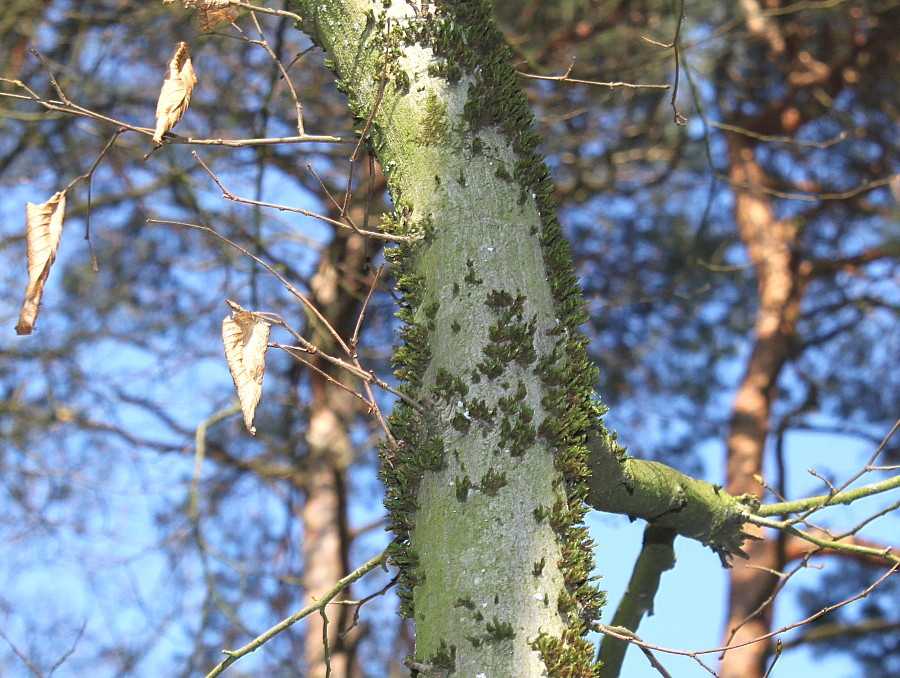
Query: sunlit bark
x=770 y=245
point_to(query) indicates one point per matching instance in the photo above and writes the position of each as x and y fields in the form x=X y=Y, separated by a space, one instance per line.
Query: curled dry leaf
x=211 y=12
x=176 y=91
x=245 y=336
x=43 y=226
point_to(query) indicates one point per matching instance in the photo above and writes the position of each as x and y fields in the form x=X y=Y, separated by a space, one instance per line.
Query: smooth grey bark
x=483 y=487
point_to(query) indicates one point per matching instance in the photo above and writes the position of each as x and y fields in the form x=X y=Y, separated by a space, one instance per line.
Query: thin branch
x=228 y=195
x=362 y=601
x=288 y=286
x=172 y=138
x=68 y=653
x=70 y=108
x=64 y=105
x=678 y=118
x=260 y=640
x=37 y=55
x=339 y=208
x=266 y=10
x=783 y=579
x=356 y=371
x=816 y=474
x=654 y=662
x=325 y=647
x=827 y=632
x=777 y=139
x=362 y=312
x=293 y=352
x=212 y=594
x=779 y=647
x=566 y=77
x=290 y=85
x=88 y=179
x=365 y=130
x=811 y=196
x=785 y=526
x=838 y=496
x=21 y=655
x=875 y=455
x=845 y=497
x=621 y=633
x=803 y=622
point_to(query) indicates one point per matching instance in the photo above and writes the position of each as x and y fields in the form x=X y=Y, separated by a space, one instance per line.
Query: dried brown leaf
x=43 y=226
x=245 y=338
x=176 y=91
x=211 y=12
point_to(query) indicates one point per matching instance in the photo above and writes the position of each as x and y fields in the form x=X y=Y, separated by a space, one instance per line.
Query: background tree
x=651 y=262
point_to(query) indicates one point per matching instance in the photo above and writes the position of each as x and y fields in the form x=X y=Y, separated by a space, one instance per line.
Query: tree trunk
x=486 y=483
x=770 y=247
x=337 y=289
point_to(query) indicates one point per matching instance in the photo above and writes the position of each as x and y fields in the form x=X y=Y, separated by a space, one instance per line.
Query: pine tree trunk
x=337 y=289
x=770 y=247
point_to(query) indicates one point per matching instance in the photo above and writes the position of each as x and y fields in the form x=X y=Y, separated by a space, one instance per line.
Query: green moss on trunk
x=491 y=479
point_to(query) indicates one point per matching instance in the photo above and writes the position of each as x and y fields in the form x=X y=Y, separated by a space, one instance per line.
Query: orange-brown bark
x=338 y=286
x=770 y=247
x=782 y=275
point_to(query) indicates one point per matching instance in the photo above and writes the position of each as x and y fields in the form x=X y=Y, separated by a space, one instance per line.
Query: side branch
x=656 y=556
x=703 y=511
x=845 y=497
x=661 y=495
x=833 y=544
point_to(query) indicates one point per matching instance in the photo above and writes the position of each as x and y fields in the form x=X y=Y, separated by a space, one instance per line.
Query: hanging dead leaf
x=245 y=336
x=43 y=226
x=176 y=91
x=211 y=12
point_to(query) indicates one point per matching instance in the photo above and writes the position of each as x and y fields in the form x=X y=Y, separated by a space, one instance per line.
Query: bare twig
x=779 y=646
x=833 y=544
x=172 y=138
x=367 y=377
x=325 y=647
x=290 y=85
x=88 y=179
x=875 y=455
x=68 y=653
x=21 y=655
x=59 y=92
x=267 y=10
x=362 y=601
x=654 y=662
x=260 y=640
x=678 y=118
x=293 y=351
x=811 y=196
x=566 y=77
x=288 y=286
x=70 y=108
x=777 y=139
x=362 y=312
x=228 y=195
x=365 y=129
x=694 y=654
x=825 y=480
x=339 y=208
